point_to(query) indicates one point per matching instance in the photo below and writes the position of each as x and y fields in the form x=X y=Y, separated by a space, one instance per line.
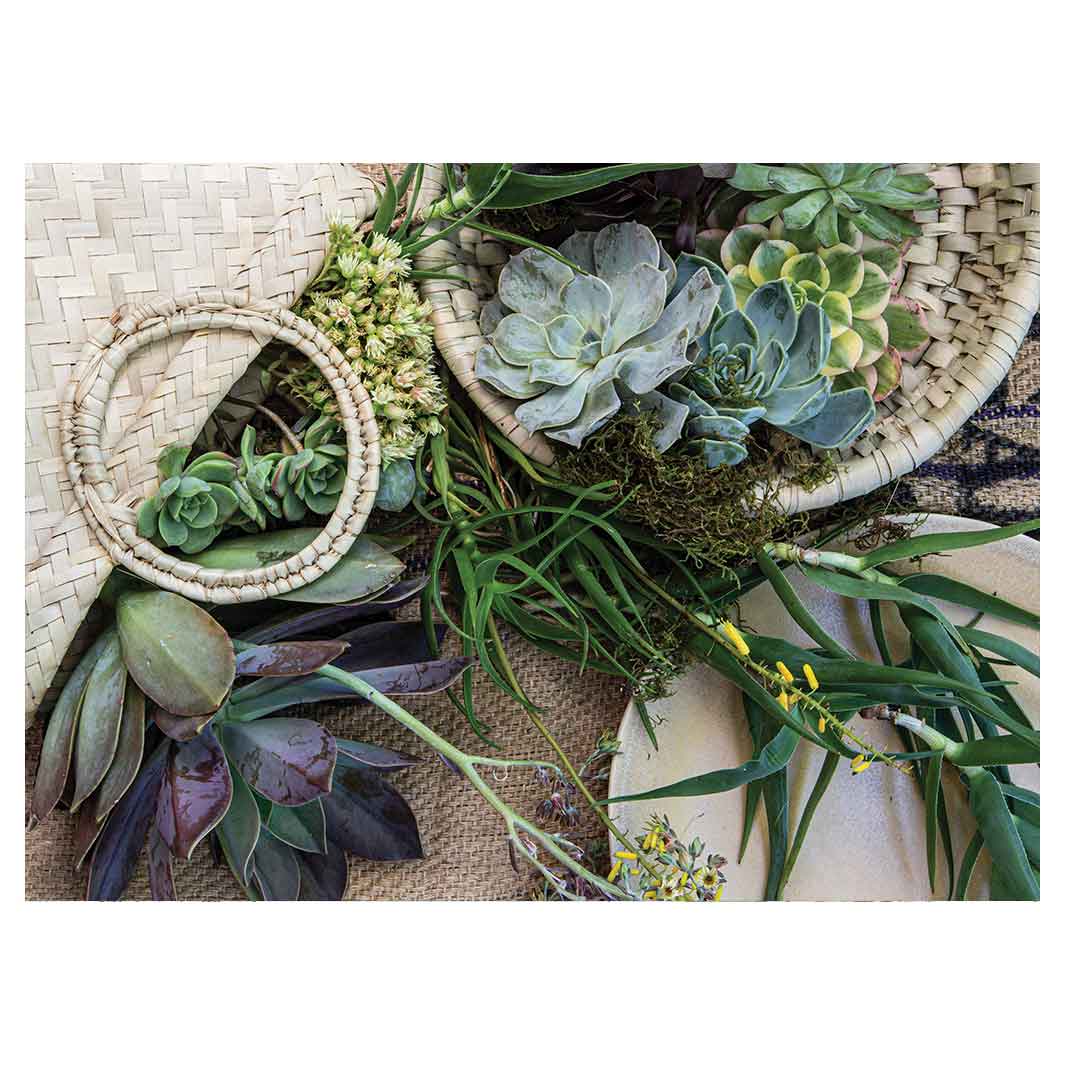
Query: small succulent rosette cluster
x=575 y=346
x=767 y=362
x=855 y=282
x=195 y=503
x=368 y=309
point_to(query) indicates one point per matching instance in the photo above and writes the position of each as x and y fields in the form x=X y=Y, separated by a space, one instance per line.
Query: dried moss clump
x=718 y=517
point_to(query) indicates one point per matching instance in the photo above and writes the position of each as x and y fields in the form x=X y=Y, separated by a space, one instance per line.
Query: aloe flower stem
x=467 y=764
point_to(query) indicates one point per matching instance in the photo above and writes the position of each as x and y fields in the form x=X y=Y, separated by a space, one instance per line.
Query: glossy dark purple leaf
x=128 y=754
x=288 y=760
x=302 y=827
x=275 y=870
x=238 y=832
x=367 y=817
x=370 y=756
x=303 y=622
x=323 y=877
x=100 y=720
x=160 y=868
x=57 y=749
x=386 y=643
x=125 y=830
x=292 y=659
x=417 y=678
x=195 y=794
x=177 y=727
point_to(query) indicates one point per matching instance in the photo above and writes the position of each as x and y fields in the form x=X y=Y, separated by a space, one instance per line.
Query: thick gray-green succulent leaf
x=575 y=346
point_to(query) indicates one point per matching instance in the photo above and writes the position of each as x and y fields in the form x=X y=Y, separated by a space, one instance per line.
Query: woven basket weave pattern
x=974 y=271
x=99 y=236
x=112 y=515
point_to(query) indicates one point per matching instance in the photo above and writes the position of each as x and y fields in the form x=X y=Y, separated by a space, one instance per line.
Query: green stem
x=467 y=765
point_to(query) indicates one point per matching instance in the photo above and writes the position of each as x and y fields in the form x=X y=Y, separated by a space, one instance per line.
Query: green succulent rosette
x=193 y=503
x=854 y=283
x=824 y=197
x=575 y=346
x=765 y=362
x=314 y=477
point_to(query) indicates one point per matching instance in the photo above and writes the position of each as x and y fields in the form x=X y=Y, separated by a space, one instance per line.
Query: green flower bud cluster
x=364 y=303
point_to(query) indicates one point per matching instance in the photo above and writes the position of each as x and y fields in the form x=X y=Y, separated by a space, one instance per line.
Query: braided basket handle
x=113 y=520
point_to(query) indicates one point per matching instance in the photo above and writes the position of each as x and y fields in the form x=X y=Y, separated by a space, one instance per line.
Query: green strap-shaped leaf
x=1010 y=861
x=994 y=750
x=1003 y=647
x=937 y=586
x=932 y=792
x=938 y=543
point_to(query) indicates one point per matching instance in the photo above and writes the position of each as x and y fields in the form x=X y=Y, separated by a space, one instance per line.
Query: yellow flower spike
x=811 y=678
x=613 y=874
x=782 y=698
x=735 y=637
x=785 y=672
x=821 y=724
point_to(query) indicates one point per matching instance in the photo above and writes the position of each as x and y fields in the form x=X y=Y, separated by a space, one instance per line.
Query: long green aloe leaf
x=938 y=543
x=936 y=586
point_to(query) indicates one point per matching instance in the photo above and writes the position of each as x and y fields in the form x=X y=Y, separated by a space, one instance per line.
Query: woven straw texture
x=101 y=236
x=112 y=515
x=974 y=271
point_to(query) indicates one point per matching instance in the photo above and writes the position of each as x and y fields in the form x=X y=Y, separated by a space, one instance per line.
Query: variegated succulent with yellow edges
x=854 y=282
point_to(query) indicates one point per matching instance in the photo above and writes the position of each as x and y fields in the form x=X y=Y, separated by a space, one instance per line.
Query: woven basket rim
x=952 y=272
x=113 y=517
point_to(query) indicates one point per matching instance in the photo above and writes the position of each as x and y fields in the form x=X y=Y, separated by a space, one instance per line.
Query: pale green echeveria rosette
x=766 y=362
x=853 y=282
x=577 y=347
x=193 y=504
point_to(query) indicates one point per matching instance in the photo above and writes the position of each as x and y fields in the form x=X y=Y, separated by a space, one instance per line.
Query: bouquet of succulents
x=679 y=380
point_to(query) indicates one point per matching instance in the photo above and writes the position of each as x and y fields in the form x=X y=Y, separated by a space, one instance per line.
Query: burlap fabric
x=989 y=470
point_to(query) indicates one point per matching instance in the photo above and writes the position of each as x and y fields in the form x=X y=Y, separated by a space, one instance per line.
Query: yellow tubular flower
x=613 y=874
x=820 y=724
x=785 y=672
x=735 y=637
x=859 y=764
x=782 y=698
x=625 y=855
x=811 y=679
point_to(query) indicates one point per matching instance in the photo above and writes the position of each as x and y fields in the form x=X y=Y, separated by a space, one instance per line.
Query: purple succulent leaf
x=177 y=727
x=160 y=868
x=301 y=827
x=295 y=659
x=195 y=793
x=276 y=871
x=125 y=831
x=87 y=830
x=386 y=643
x=323 y=877
x=370 y=756
x=367 y=817
x=289 y=761
x=302 y=622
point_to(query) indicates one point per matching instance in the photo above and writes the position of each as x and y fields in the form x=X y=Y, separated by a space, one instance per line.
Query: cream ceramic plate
x=867 y=841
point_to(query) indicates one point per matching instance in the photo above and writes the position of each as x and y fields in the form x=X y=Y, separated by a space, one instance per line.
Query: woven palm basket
x=151 y=290
x=974 y=270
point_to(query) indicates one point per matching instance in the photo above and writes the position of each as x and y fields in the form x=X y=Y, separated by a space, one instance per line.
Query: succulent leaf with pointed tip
x=575 y=347
x=823 y=197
